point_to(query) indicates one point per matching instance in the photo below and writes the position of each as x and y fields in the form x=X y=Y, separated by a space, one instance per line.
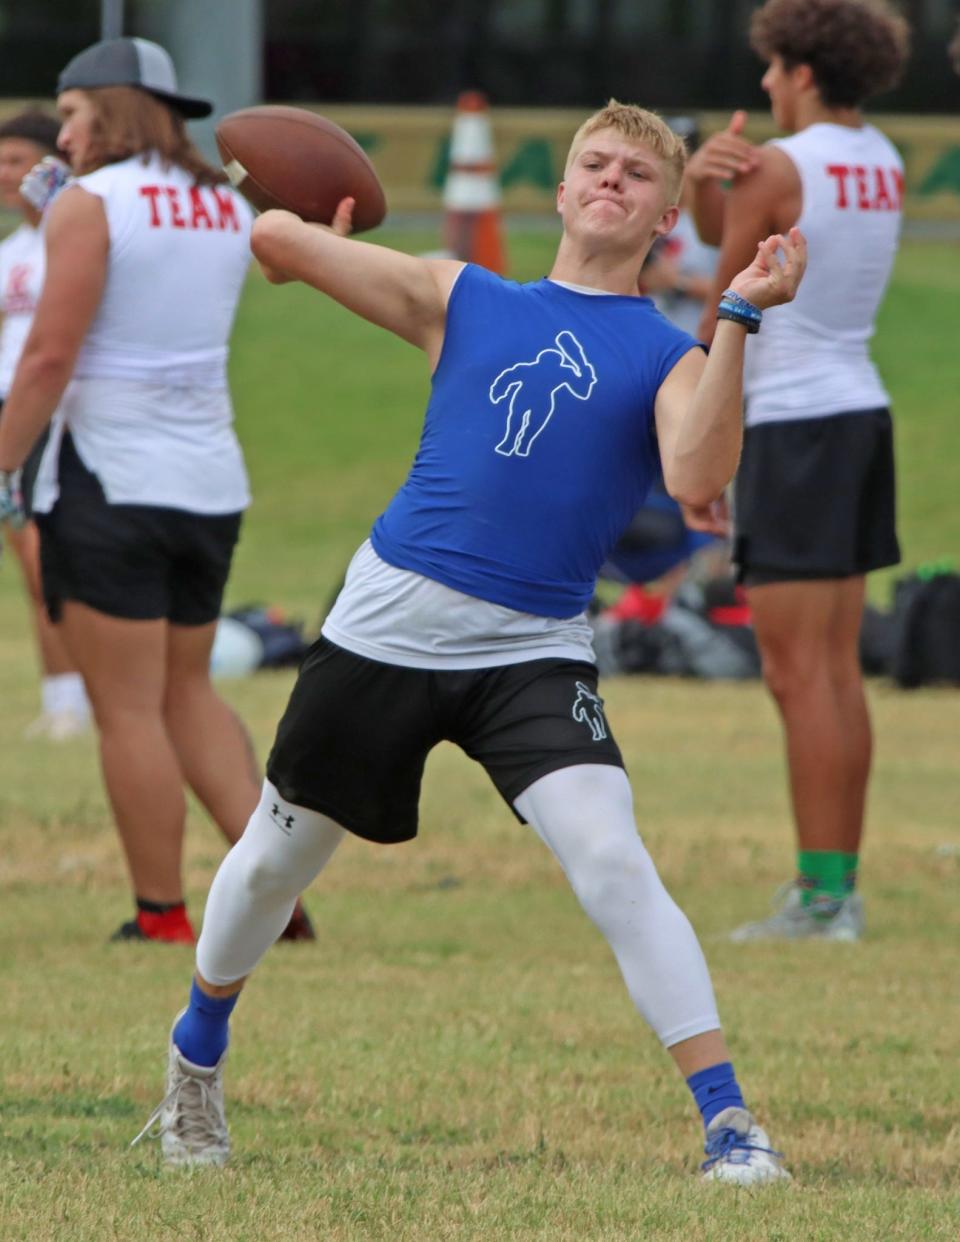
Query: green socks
x=826 y=877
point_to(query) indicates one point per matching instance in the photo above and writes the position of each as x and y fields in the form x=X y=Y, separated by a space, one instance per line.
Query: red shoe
x=170 y=927
x=299 y=927
x=637 y=604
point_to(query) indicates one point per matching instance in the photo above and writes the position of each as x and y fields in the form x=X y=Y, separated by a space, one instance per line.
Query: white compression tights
x=253 y=894
x=584 y=815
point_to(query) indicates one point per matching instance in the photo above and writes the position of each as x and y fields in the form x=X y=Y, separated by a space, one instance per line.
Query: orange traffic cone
x=471 y=194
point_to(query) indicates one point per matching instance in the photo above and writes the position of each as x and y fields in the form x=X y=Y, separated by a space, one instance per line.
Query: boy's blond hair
x=639 y=125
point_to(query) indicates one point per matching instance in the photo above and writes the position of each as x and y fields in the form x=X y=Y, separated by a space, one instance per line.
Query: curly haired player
x=814 y=500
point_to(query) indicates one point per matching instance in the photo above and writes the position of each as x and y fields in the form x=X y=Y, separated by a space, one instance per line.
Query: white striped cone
x=471 y=193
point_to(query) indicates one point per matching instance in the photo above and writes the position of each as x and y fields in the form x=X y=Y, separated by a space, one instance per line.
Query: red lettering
x=881 y=199
x=15 y=298
x=863 y=195
x=152 y=192
x=898 y=186
x=226 y=209
x=198 y=210
x=877 y=189
x=17 y=285
x=839 y=173
x=176 y=216
x=200 y=215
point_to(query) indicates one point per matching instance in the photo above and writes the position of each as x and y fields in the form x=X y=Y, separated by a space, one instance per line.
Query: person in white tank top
x=814 y=495
x=142 y=486
x=25 y=139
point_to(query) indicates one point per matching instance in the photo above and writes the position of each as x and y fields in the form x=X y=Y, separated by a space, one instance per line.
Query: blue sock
x=715 y=1089
x=202 y=1033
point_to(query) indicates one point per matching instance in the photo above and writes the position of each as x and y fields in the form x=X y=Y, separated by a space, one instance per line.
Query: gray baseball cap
x=130 y=62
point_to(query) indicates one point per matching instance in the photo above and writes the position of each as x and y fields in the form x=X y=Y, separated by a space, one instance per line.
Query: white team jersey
x=400 y=617
x=21 y=279
x=811 y=357
x=148 y=408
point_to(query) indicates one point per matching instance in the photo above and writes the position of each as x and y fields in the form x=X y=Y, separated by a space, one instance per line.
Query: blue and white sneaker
x=738 y=1151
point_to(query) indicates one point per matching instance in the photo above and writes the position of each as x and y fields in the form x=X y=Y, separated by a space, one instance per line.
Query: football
x=278 y=156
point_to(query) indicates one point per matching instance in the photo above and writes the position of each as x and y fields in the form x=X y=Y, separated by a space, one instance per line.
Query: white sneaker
x=190 y=1121
x=792 y=920
x=739 y=1151
x=58 y=726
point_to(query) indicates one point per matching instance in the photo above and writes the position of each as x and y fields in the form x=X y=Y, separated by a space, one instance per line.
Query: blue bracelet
x=739 y=310
x=741 y=304
x=745 y=321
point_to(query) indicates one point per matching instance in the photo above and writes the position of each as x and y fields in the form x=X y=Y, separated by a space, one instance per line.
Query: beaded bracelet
x=739 y=310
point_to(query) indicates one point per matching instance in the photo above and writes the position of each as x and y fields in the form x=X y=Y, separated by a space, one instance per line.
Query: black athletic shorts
x=28 y=474
x=356 y=733
x=138 y=562
x=815 y=498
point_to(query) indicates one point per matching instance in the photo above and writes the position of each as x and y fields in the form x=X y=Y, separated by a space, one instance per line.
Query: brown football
x=278 y=156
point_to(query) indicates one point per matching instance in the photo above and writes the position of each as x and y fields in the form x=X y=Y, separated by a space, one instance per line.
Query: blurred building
x=676 y=53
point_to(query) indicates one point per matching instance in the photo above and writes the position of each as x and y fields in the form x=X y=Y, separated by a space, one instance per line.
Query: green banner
x=409 y=147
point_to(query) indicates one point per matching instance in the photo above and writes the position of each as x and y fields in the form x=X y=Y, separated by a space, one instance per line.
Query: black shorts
x=815 y=498
x=137 y=562
x=356 y=733
x=28 y=473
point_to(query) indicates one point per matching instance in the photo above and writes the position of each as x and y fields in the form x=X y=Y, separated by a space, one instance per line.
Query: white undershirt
x=566 y=284
x=400 y=617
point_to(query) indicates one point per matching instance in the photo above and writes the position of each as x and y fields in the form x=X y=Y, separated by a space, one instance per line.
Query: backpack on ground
x=927 y=646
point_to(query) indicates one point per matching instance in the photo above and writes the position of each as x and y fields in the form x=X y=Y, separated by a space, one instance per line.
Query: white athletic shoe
x=190 y=1121
x=58 y=726
x=738 y=1151
x=792 y=920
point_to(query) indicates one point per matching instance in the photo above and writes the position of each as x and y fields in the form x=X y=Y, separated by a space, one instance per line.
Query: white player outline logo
x=588 y=710
x=532 y=388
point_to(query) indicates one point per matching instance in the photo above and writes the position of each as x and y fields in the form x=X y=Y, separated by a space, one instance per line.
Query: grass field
x=457 y=1058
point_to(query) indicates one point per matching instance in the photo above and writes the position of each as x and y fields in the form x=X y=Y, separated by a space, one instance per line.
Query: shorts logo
x=530 y=390
x=283 y=822
x=588 y=710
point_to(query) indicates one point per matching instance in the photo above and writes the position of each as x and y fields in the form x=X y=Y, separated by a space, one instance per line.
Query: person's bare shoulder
x=785 y=184
x=777 y=165
x=772 y=190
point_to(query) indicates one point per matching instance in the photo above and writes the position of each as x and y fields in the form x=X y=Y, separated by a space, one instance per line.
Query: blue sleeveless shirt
x=538 y=444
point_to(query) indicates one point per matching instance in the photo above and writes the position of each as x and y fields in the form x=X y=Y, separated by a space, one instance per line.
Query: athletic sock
x=165 y=921
x=64 y=692
x=202 y=1034
x=850 y=865
x=822 y=875
x=715 y=1089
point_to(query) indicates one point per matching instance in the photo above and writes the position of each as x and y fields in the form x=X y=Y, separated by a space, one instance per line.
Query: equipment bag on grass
x=928 y=633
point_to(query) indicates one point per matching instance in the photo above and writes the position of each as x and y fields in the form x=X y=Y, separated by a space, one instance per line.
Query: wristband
x=739 y=310
x=726 y=312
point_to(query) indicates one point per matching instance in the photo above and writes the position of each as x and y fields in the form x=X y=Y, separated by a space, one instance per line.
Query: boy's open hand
x=771 y=280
